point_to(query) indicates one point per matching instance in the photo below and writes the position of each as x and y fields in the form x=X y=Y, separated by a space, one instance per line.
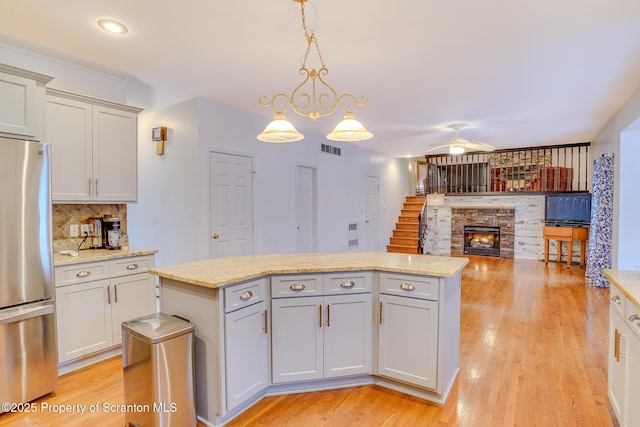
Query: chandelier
x=313 y=98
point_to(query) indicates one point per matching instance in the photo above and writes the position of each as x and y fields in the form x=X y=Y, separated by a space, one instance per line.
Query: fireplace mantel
x=483 y=207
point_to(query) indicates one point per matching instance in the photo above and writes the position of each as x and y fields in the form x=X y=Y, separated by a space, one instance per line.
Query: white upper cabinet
x=94 y=149
x=22 y=103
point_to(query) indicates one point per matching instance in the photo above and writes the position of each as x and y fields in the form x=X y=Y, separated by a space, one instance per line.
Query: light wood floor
x=533 y=353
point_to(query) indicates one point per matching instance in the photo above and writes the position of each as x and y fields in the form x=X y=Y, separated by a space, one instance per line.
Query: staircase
x=405 y=236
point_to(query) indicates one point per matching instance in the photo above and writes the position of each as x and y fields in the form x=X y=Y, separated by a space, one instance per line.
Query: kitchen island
x=276 y=324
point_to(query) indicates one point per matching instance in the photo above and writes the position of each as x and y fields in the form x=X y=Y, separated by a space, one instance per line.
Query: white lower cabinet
x=316 y=337
x=91 y=305
x=246 y=352
x=83 y=317
x=408 y=340
x=624 y=358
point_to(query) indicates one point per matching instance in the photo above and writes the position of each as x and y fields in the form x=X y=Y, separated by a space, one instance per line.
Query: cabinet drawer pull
x=266 y=322
x=246 y=295
x=635 y=320
x=347 y=284
x=132 y=266
x=297 y=286
x=407 y=287
x=83 y=273
x=616 y=299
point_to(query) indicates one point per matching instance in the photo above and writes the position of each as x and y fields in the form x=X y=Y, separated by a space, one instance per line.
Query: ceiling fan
x=458 y=145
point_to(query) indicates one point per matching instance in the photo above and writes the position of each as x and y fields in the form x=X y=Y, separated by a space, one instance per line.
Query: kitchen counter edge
x=97 y=255
x=627 y=281
x=216 y=273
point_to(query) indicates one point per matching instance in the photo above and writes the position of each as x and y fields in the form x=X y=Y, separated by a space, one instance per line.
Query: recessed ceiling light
x=112 y=26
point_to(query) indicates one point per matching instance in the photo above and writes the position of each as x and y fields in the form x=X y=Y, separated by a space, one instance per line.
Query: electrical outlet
x=84 y=229
x=73 y=230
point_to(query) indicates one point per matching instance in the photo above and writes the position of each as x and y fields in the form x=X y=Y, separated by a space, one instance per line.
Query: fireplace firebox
x=482 y=240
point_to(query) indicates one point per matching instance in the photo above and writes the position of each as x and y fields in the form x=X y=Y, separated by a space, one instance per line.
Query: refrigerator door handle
x=17 y=314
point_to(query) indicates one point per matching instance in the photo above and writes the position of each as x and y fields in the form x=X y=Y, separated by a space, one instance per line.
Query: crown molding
x=51 y=55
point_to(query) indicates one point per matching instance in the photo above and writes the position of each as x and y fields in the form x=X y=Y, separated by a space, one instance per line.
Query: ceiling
x=516 y=73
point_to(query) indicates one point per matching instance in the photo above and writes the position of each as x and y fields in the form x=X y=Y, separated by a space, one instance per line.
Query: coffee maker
x=111 y=232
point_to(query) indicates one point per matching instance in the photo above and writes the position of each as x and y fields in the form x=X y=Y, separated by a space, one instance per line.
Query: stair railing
x=422 y=228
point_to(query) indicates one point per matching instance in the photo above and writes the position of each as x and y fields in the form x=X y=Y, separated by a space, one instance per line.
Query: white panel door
x=408 y=340
x=371 y=208
x=296 y=339
x=348 y=335
x=305 y=209
x=231 y=204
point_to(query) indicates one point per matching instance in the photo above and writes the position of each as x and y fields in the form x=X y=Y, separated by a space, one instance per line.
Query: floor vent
x=325 y=148
x=354 y=235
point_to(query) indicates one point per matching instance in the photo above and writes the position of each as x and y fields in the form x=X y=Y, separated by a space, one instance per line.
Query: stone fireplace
x=501 y=219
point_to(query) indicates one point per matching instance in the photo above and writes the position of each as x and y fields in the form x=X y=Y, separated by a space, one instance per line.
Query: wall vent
x=353 y=235
x=325 y=148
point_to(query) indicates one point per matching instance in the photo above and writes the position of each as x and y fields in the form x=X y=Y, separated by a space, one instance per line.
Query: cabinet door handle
x=90 y=186
x=616 y=346
x=615 y=299
x=266 y=322
x=328 y=315
x=108 y=295
x=407 y=287
x=96 y=186
x=246 y=295
x=381 y=312
x=83 y=273
x=347 y=284
x=635 y=320
x=297 y=286
x=320 y=314
x=132 y=266
x=115 y=292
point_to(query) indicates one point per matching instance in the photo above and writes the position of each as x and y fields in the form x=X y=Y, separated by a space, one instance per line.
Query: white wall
x=608 y=140
x=172 y=210
x=629 y=204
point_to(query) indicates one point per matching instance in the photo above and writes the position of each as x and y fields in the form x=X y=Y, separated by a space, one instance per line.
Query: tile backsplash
x=65 y=215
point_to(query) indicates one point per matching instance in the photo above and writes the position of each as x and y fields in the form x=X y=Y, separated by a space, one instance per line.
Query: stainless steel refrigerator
x=28 y=354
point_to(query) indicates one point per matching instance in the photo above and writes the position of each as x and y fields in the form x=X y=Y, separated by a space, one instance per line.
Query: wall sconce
x=160 y=136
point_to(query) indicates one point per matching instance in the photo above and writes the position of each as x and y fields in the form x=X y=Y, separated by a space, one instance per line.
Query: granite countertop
x=219 y=272
x=95 y=255
x=627 y=281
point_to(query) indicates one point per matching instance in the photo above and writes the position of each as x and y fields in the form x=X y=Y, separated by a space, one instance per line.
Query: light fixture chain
x=311 y=37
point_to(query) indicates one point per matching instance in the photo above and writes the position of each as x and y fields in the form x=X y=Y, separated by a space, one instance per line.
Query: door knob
x=215 y=235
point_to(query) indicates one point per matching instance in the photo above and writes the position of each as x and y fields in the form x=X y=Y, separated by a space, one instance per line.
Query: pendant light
x=313 y=98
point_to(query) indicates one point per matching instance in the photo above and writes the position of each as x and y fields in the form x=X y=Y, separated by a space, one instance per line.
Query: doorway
x=305 y=209
x=230 y=204
x=371 y=213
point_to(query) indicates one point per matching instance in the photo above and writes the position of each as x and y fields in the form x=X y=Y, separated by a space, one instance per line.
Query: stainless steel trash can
x=157 y=359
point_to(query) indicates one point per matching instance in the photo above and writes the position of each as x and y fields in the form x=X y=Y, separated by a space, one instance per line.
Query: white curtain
x=601 y=231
